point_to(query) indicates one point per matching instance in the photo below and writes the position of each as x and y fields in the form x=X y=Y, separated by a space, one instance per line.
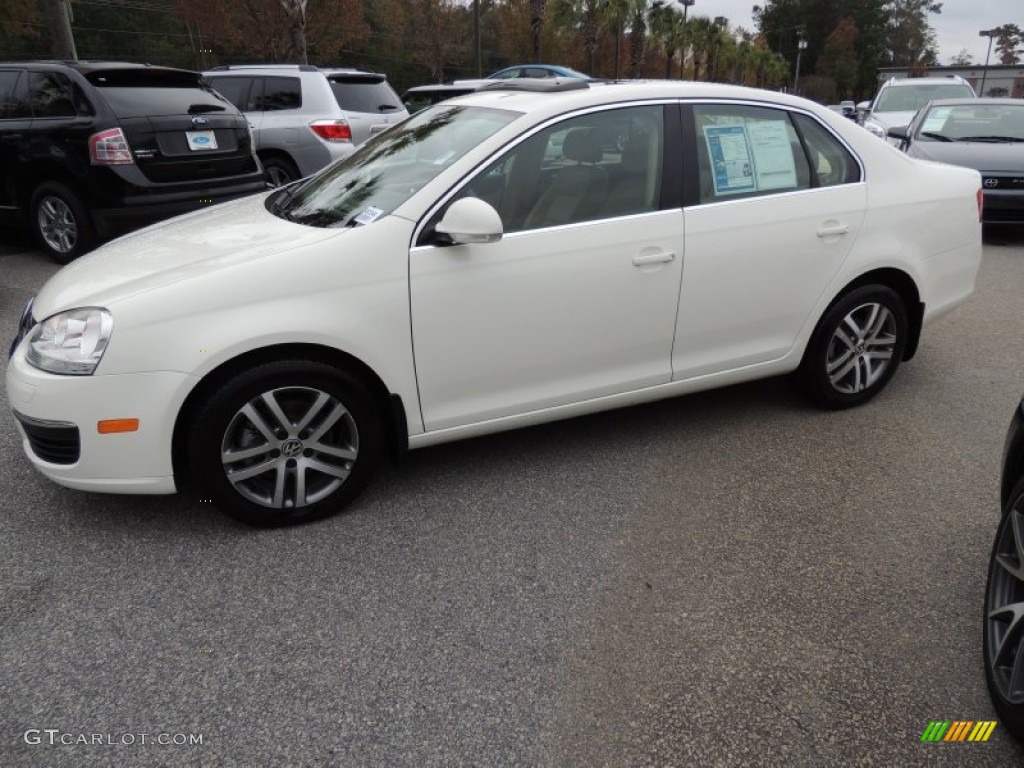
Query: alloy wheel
x=57 y=224
x=861 y=348
x=289 y=447
x=1004 y=608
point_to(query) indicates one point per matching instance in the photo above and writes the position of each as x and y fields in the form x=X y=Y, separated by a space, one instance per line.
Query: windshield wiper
x=994 y=139
x=205 y=108
x=386 y=108
x=936 y=136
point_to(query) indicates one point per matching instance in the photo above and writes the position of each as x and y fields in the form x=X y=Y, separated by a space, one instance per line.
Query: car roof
x=904 y=81
x=90 y=65
x=544 y=97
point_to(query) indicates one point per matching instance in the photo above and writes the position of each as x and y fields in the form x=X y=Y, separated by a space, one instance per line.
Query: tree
x=1008 y=39
x=962 y=59
x=537 y=8
x=839 y=58
x=911 y=38
x=669 y=30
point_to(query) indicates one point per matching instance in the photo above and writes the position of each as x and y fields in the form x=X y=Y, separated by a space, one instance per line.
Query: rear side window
x=154 y=92
x=13 y=95
x=831 y=162
x=280 y=93
x=747 y=151
x=51 y=95
x=364 y=94
x=234 y=89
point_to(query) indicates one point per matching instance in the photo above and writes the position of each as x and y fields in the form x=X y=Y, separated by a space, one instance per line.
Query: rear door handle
x=830 y=230
x=643 y=259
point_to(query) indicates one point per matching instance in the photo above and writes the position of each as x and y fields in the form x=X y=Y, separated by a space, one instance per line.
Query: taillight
x=110 y=148
x=332 y=130
x=981 y=202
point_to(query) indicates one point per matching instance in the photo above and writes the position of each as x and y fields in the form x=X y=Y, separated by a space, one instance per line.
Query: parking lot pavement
x=730 y=578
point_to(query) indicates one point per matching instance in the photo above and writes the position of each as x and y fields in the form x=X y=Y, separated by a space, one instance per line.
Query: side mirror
x=471 y=220
x=901 y=132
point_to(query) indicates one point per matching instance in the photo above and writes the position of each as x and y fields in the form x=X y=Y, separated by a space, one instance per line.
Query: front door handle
x=830 y=230
x=643 y=259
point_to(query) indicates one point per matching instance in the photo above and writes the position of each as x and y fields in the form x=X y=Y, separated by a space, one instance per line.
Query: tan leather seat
x=578 y=191
x=629 y=190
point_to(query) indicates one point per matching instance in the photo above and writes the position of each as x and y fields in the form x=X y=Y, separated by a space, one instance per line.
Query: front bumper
x=1003 y=207
x=127 y=462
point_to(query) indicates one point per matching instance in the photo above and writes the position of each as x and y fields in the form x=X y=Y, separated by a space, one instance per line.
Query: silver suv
x=899 y=100
x=304 y=117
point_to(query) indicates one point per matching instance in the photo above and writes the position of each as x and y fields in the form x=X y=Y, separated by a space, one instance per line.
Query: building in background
x=1000 y=79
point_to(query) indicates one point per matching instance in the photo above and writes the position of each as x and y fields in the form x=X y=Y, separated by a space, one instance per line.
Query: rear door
x=15 y=120
x=775 y=204
x=179 y=129
x=369 y=103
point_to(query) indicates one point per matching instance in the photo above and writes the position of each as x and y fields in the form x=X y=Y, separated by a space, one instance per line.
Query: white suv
x=304 y=117
x=899 y=100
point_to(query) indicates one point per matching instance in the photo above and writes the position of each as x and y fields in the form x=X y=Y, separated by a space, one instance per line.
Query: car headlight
x=876 y=129
x=71 y=342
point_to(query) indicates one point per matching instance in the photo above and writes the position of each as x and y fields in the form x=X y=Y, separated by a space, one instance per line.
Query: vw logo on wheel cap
x=291 y=448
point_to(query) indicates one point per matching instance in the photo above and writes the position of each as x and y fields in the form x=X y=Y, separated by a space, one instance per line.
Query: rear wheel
x=284 y=443
x=60 y=222
x=856 y=348
x=279 y=170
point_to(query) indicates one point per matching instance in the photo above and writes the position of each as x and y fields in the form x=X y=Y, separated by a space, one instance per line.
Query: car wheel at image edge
x=855 y=349
x=60 y=222
x=1003 y=637
x=284 y=443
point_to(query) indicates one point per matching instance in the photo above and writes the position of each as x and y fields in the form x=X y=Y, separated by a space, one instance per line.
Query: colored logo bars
x=958 y=730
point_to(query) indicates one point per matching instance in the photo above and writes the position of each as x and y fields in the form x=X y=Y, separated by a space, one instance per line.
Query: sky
x=956 y=27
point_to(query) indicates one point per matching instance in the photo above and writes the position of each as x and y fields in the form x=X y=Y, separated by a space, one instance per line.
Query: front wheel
x=856 y=348
x=285 y=443
x=1003 y=636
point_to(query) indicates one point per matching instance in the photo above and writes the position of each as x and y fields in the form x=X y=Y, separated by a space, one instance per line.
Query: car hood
x=980 y=155
x=892 y=119
x=184 y=247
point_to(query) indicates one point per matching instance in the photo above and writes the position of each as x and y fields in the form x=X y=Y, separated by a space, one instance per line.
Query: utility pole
x=62 y=42
x=476 y=37
x=989 y=33
x=800 y=48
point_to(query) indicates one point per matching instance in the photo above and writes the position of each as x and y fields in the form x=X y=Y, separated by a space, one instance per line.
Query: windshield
x=910 y=98
x=155 y=92
x=364 y=94
x=390 y=168
x=1003 y=122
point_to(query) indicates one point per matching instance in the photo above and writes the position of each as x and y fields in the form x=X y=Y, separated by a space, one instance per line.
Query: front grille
x=56 y=442
x=1003 y=182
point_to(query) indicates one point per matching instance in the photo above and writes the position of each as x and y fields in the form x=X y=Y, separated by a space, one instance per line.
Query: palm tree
x=581 y=17
x=668 y=27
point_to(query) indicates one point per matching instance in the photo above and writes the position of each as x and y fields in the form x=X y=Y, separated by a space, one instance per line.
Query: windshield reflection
x=389 y=168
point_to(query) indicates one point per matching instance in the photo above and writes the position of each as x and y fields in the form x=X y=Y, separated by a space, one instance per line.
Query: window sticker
x=936 y=119
x=731 y=163
x=369 y=215
x=774 y=165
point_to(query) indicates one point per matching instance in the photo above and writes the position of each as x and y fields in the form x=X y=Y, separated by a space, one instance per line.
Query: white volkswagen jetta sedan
x=530 y=252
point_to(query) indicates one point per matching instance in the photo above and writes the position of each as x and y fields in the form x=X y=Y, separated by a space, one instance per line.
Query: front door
x=578 y=300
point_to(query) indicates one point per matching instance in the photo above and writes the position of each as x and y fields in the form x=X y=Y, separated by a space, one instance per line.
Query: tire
x=855 y=349
x=327 y=444
x=60 y=222
x=1004 y=590
x=279 y=171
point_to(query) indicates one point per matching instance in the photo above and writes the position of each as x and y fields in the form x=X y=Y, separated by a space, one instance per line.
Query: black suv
x=89 y=149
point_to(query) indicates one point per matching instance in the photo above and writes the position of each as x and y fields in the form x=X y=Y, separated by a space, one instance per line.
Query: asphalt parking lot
x=731 y=578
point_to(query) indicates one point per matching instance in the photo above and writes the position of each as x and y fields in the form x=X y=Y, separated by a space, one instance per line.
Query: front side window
x=594 y=166
x=389 y=168
x=747 y=151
